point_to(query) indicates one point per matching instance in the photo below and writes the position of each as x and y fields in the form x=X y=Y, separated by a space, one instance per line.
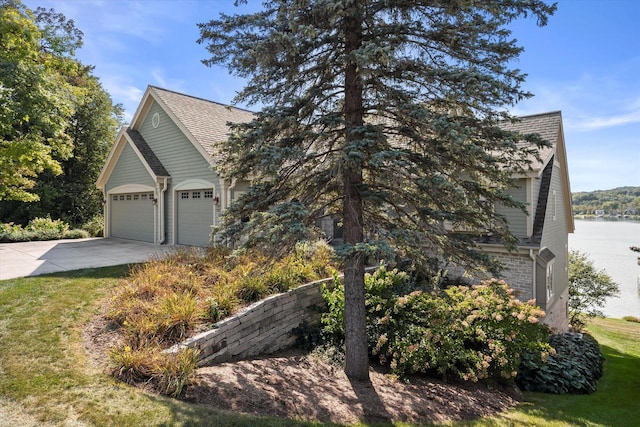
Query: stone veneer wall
x=263 y=327
x=557 y=316
x=518 y=274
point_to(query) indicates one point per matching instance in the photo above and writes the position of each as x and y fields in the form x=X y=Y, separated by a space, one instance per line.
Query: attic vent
x=155 y=120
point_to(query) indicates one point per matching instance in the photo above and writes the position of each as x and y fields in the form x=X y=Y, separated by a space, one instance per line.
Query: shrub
x=133 y=365
x=175 y=370
x=12 y=233
x=76 y=234
x=95 y=226
x=469 y=333
x=167 y=372
x=575 y=367
x=47 y=228
x=253 y=288
x=37 y=229
x=631 y=319
x=164 y=300
x=175 y=314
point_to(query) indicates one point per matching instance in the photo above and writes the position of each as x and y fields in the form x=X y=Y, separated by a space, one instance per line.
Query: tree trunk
x=356 y=353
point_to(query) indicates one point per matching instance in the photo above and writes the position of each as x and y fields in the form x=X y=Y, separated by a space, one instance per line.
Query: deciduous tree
x=385 y=114
x=59 y=122
x=588 y=289
x=36 y=98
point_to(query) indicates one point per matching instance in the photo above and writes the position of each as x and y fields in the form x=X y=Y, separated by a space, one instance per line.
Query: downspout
x=532 y=255
x=161 y=213
x=105 y=213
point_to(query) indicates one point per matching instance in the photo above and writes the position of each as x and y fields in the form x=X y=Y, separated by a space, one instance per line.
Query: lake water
x=607 y=244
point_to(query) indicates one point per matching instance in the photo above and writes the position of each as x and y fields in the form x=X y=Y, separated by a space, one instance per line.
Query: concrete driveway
x=34 y=258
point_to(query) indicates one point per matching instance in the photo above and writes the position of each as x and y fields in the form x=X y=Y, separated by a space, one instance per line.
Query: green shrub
x=253 y=288
x=175 y=314
x=166 y=372
x=175 y=370
x=162 y=301
x=12 y=233
x=575 y=367
x=37 y=229
x=631 y=319
x=464 y=332
x=95 y=226
x=76 y=233
x=48 y=226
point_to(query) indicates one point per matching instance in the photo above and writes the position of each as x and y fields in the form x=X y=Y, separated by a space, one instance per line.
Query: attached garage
x=195 y=216
x=132 y=216
x=158 y=182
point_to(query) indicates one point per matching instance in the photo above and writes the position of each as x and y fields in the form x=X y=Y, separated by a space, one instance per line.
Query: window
x=143 y=197
x=184 y=195
x=195 y=195
x=128 y=196
x=122 y=197
x=114 y=197
x=136 y=197
x=208 y=194
x=555 y=205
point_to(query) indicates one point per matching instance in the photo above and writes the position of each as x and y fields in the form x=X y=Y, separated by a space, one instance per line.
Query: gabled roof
x=547 y=125
x=148 y=158
x=148 y=155
x=203 y=122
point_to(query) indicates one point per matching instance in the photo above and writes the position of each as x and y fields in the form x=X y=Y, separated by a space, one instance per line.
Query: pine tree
x=383 y=113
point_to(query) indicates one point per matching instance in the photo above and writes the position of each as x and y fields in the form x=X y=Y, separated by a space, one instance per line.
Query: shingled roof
x=205 y=121
x=547 y=125
x=146 y=152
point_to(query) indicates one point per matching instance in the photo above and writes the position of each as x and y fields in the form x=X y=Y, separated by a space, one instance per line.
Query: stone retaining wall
x=263 y=327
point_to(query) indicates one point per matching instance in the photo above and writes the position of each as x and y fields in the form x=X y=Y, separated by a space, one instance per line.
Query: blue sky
x=585 y=62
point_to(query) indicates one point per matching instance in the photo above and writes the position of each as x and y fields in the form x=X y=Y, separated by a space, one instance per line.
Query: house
x=159 y=187
x=539 y=268
x=158 y=182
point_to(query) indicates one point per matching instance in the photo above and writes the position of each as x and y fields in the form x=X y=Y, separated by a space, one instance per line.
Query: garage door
x=132 y=216
x=195 y=217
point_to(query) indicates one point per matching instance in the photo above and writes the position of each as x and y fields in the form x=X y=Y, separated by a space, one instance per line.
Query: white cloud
x=123 y=90
x=159 y=75
x=594 y=123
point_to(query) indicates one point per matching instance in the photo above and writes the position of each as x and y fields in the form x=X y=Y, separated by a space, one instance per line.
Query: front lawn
x=46 y=378
x=615 y=403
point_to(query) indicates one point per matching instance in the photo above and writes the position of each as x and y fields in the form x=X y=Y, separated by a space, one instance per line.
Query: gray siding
x=555 y=237
x=535 y=193
x=517 y=219
x=178 y=156
x=128 y=170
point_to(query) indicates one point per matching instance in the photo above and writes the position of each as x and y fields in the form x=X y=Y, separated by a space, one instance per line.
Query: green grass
x=45 y=377
x=615 y=403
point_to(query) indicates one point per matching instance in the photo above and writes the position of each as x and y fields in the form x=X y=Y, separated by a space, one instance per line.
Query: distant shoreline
x=613 y=218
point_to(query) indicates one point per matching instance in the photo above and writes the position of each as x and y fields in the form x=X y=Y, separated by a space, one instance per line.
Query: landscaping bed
x=297 y=385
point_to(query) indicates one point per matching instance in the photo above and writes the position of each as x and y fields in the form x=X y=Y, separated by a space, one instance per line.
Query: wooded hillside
x=621 y=200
